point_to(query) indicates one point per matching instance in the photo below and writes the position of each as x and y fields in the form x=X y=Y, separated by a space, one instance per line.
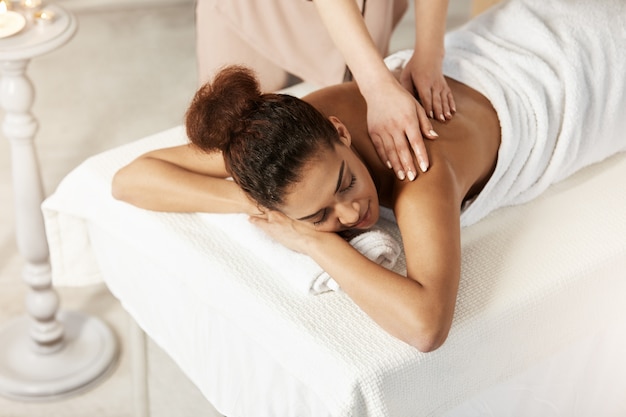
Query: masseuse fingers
x=447 y=103
x=393 y=156
x=404 y=154
x=427 y=130
x=417 y=140
x=426 y=99
x=443 y=103
x=386 y=148
x=379 y=145
x=438 y=107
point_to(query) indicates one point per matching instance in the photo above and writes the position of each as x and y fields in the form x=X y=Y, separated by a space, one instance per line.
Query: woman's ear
x=344 y=134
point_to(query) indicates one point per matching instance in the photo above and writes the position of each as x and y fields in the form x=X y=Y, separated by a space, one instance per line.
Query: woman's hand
x=423 y=73
x=426 y=78
x=397 y=125
x=286 y=231
x=395 y=119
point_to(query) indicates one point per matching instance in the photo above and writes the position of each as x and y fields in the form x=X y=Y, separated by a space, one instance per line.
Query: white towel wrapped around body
x=556 y=77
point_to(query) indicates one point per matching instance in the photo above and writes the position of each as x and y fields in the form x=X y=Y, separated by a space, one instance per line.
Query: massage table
x=538 y=330
x=539 y=325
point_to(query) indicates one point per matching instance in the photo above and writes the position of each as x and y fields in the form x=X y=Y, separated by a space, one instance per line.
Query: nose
x=348 y=213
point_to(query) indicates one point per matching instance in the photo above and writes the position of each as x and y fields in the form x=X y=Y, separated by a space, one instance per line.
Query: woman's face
x=336 y=192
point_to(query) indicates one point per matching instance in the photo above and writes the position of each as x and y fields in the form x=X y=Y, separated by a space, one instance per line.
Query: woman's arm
x=423 y=72
x=417 y=308
x=394 y=116
x=180 y=179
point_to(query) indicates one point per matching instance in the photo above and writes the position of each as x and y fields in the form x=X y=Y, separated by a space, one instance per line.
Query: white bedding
x=535 y=279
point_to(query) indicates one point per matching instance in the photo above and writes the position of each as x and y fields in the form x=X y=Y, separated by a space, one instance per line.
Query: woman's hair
x=266 y=139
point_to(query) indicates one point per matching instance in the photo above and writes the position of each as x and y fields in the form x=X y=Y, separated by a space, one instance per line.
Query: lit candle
x=44 y=17
x=31 y=4
x=4 y=10
x=10 y=22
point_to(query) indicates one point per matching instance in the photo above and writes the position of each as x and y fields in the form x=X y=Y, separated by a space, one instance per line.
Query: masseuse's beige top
x=291 y=34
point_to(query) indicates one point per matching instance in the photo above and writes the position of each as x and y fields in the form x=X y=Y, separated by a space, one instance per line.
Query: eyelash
x=322 y=220
x=345 y=190
x=349 y=187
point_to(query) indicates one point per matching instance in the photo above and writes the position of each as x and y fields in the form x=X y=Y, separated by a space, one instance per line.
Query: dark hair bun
x=219 y=108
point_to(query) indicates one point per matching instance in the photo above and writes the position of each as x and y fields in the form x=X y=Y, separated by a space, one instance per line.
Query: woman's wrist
x=371 y=84
x=320 y=244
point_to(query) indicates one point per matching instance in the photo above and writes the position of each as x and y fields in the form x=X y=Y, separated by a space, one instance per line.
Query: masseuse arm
x=394 y=116
x=180 y=179
x=423 y=72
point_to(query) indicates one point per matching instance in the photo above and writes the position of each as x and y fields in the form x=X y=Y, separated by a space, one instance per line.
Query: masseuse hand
x=397 y=124
x=426 y=78
x=396 y=121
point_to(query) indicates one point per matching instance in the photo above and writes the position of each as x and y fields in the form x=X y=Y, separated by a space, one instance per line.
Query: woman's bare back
x=469 y=141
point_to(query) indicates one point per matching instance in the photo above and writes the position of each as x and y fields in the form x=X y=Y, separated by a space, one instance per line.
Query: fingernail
x=454 y=109
x=389 y=165
x=442 y=117
x=432 y=116
x=423 y=166
x=411 y=175
x=449 y=114
x=401 y=175
x=433 y=133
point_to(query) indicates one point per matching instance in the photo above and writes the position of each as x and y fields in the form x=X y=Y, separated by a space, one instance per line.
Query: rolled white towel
x=375 y=244
x=299 y=270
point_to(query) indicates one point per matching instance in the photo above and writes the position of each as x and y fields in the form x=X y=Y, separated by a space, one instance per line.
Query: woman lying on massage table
x=304 y=168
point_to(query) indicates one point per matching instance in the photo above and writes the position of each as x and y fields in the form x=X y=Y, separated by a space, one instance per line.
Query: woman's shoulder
x=341 y=100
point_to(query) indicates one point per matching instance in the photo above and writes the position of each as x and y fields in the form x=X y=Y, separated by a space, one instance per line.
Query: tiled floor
x=128 y=72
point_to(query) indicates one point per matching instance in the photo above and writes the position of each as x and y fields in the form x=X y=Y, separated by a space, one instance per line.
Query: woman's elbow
x=428 y=343
x=428 y=336
x=120 y=189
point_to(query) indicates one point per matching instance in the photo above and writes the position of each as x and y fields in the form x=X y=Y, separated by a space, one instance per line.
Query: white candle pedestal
x=44 y=354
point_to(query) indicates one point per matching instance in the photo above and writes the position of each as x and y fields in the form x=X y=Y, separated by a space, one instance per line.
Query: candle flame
x=31 y=4
x=3 y=7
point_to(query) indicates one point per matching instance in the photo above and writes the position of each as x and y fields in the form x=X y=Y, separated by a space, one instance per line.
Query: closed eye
x=350 y=186
x=323 y=219
x=343 y=190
